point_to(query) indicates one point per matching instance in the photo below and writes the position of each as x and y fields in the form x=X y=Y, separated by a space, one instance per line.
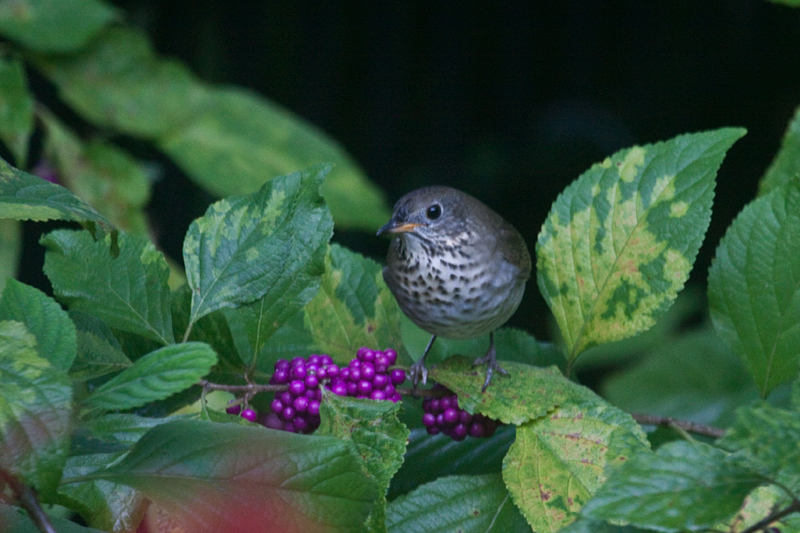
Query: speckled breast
x=449 y=292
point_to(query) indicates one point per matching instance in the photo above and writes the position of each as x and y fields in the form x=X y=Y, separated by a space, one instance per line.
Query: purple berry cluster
x=297 y=409
x=369 y=376
x=443 y=415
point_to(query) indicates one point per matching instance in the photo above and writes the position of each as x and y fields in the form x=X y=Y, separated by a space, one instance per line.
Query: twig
x=252 y=388
x=761 y=525
x=26 y=497
x=667 y=421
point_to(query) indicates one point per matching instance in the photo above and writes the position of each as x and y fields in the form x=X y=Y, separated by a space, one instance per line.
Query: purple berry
x=391 y=355
x=440 y=420
x=333 y=370
x=339 y=388
x=234 y=409
x=273 y=421
x=354 y=363
x=464 y=417
x=280 y=377
x=289 y=427
x=322 y=373
x=312 y=382
x=297 y=387
x=313 y=359
x=364 y=387
x=288 y=413
x=435 y=405
x=276 y=406
x=313 y=408
x=312 y=369
x=282 y=364
x=396 y=397
x=445 y=404
x=459 y=432
x=352 y=388
x=428 y=420
x=325 y=360
x=310 y=394
x=298 y=372
x=355 y=374
x=249 y=414
x=389 y=390
x=398 y=376
x=382 y=360
x=300 y=424
x=367 y=371
x=477 y=430
x=300 y=404
x=377 y=395
x=368 y=356
x=286 y=398
x=380 y=381
x=450 y=415
x=432 y=430
x=345 y=373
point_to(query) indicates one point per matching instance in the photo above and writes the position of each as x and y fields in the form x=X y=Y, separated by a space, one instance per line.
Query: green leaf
x=377 y=435
x=99 y=173
x=54 y=25
x=429 y=457
x=525 y=394
x=99 y=351
x=119 y=82
x=35 y=408
x=683 y=486
x=226 y=477
x=269 y=242
x=102 y=504
x=557 y=462
x=619 y=243
x=27 y=197
x=768 y=437
x=128 y=292
x=16 y=520
x=241 y=134
x=694 y=377
x=42 y=316
x=353 y=308
x=459 y=503
x=10 y=249
x=16 y=109
x=754 y=287
x=155 y=376
x=785 y=168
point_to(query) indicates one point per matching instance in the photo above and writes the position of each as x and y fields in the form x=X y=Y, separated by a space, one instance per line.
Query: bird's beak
x=393 y=227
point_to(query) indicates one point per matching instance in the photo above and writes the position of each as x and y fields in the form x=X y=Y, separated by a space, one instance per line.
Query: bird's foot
x=490 y=360
x=418 y=373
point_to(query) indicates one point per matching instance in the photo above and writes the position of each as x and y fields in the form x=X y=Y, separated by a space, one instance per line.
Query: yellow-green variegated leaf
x=620 y=241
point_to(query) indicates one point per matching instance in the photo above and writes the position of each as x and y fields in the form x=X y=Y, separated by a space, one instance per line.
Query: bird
x=456 y=268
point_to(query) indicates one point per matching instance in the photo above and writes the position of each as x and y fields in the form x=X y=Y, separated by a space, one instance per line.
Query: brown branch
x=667 y=421
x=26 y=498
x=762 y=525
x=251 y=388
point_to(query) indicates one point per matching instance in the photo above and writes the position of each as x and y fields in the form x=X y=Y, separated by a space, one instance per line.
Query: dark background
x=509 y=101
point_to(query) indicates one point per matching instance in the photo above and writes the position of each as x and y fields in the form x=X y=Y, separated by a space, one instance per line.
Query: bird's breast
x=452 y=290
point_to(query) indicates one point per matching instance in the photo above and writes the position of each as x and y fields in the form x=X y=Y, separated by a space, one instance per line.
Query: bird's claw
x=491 y=366
x=418 y=373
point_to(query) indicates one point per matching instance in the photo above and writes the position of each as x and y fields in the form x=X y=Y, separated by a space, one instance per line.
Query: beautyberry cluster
x=443 y=415
x=297 y=409
x=369 y=376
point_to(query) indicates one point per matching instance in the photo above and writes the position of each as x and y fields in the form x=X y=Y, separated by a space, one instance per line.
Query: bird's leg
x=490 y=359
x=418 y=372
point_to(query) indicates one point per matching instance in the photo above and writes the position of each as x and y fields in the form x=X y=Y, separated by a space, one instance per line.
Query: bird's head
x=431 y=214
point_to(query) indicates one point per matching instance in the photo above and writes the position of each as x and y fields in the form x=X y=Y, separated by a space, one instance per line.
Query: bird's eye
x=434 y=212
